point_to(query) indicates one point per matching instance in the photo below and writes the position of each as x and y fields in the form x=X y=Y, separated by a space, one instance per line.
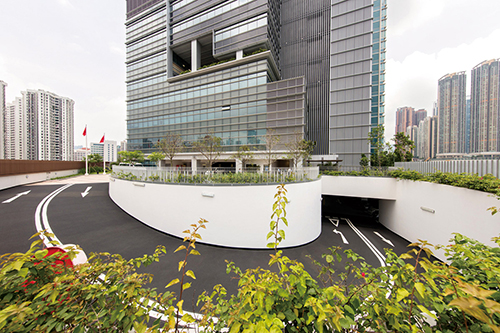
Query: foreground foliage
x=408 y=293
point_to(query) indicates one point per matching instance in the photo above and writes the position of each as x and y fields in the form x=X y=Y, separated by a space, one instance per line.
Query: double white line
x=376 y=252
x=41 y=219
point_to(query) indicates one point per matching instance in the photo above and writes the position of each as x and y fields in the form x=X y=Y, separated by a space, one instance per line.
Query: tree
x=93 y=160
x=131 y=157
x=171 y=145
x=364 y=161
x=402 y=147
x=271 y=140
x=244 y=154
x=210 y=146
x=376 y=139
x=156 y=157
x=299 y=148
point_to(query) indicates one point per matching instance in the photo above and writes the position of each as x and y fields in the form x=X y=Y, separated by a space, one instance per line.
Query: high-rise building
x=97 y=148
x=404 y=118
x=122 y=146
x=485 y=107
x=378 y=62
x=240 y=68
x=41 y=127
x=2 y=118
x=467 y=125
x=110 y=151
x=426 y=138
x=452 y=113
x=9 y=130
x=418 y=116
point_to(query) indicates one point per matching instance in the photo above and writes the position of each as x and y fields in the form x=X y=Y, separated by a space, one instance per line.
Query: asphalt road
x=96 y=224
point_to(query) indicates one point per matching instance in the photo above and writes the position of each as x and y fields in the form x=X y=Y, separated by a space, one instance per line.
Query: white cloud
x=66 y=3
x=413 y=14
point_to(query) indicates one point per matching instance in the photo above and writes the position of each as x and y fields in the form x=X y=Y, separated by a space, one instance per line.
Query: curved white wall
x=17 y=180
x=456 y=210
x=238 y=216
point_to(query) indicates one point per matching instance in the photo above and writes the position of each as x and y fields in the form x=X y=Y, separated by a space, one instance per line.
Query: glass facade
x=236 y=100
x=378 y=62
x=238 y=68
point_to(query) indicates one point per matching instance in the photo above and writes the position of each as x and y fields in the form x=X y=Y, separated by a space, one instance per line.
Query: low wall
x=238 y=216
x=432 y=212
x=23 y=167
x=422 y=210
x=23 y=179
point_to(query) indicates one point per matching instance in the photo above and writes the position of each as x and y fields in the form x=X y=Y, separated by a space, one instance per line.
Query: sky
x=75 y=49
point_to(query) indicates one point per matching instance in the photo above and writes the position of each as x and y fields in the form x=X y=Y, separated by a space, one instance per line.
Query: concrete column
x=194 y=164
x=239 y=54
x=239 y=165
x=195 y=55
x=170 y=62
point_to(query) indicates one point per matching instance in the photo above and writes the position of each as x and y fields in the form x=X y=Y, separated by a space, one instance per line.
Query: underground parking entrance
x=366 y=209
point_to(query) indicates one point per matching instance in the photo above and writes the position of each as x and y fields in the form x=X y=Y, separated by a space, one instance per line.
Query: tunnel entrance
x=339 y=206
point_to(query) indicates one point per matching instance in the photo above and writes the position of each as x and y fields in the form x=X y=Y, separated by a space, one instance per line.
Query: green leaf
x=194 y=252
x=235 y=328
x=420 y=289
x=188 y=318
x=182 y=247
x=181 y=264
x=425 y=310
x=191 y=274
x=171 y=283
x=402 y=293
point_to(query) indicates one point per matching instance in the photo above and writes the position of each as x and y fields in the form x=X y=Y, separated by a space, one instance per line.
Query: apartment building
x=485 y=107
x=2 y=118
x=452 y=113
x=39 y=126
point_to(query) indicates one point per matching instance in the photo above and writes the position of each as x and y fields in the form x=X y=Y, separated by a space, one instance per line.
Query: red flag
x=102 y=139
x=85 y=131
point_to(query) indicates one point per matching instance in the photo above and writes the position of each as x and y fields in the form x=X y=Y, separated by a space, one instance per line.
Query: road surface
x=88 y=217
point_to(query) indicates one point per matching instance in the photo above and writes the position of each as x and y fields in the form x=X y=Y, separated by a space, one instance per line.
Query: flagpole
x=86 y=153
x=104 y=154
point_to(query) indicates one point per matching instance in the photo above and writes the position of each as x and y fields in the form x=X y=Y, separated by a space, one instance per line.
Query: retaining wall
x=238 y=215
x=423 y=210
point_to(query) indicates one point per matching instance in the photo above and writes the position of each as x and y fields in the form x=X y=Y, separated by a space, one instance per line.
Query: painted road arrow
x=84 y=194
x=335 y=221
x=17 y=196
x=341 y=235
x=384 y=239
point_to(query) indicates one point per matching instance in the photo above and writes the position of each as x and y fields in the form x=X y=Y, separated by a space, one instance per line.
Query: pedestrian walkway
x=100 y=178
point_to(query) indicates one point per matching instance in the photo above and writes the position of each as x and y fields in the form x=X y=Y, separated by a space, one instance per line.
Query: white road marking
x=372 y=247
x=384 y=239
x=42 y=222
x=87 y=191
x=335 y=221
x=341 y=235
x=17 y=196
x=41 y=219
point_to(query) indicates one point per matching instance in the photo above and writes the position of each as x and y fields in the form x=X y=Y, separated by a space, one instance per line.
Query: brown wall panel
x=20 y=167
